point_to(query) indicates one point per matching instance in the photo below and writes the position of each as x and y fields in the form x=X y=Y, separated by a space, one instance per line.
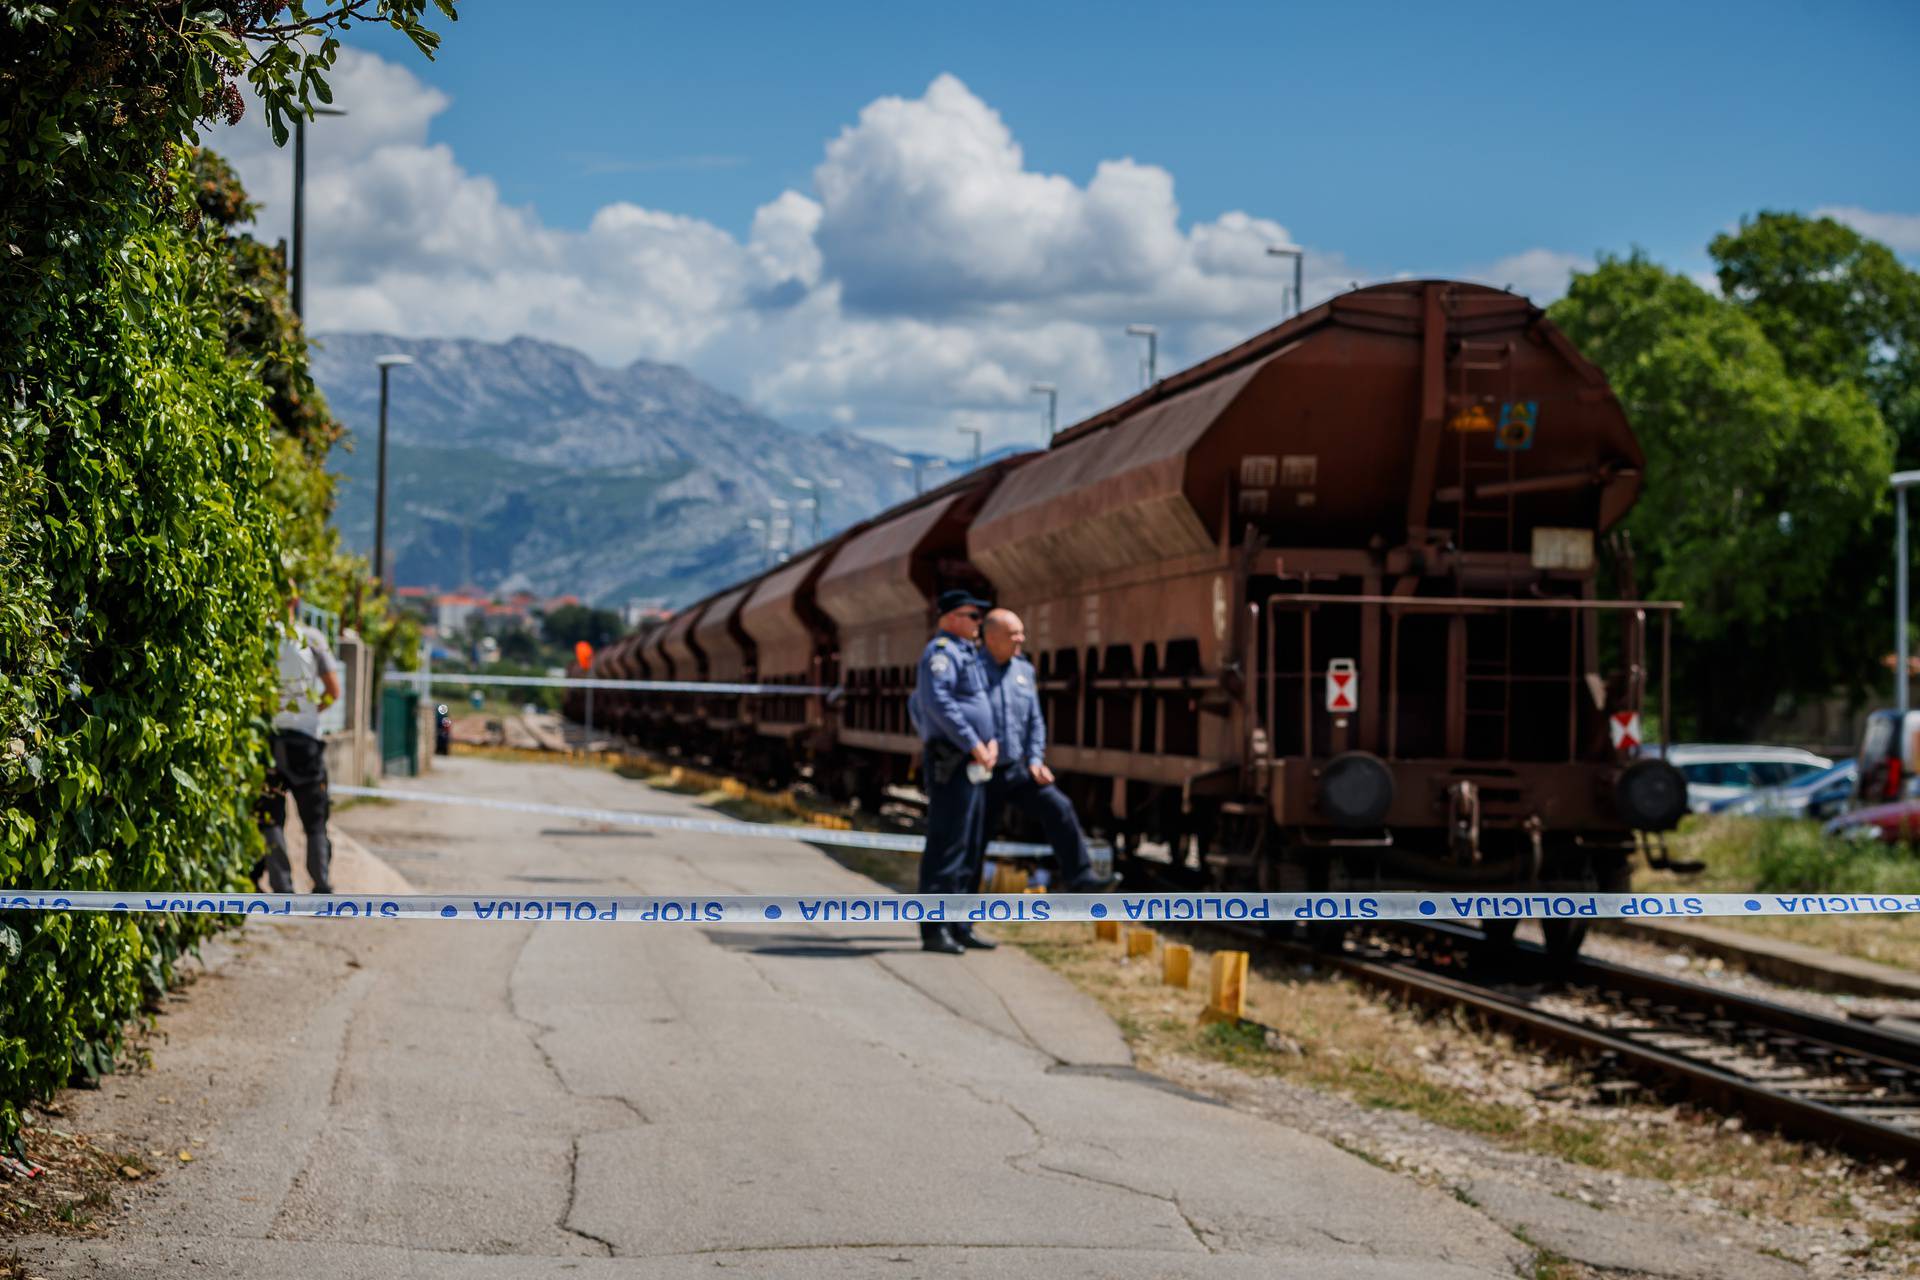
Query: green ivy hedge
x=139 y=583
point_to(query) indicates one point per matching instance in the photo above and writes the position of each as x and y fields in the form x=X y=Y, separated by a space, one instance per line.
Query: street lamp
x=299 y=290
x=917 y=466
x=1152 y=335
x=385 y=363
x=1902 y=481
x=1052 y=393
x=1299 y=257
x=975 y=432
x=816 y=491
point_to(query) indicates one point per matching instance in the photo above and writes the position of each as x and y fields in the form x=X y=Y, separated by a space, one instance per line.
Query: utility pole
x=386 y=364
x=1299 y=257
x=298 y=292
x=1152 y=335
x=976 y=433
x=1902 y=481
x=1052 y=393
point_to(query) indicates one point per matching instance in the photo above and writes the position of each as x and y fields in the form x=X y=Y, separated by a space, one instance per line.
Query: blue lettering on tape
x=908 y=909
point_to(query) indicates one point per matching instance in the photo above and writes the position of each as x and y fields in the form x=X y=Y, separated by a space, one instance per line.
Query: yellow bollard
x=1139 y=942
x=1227 y=993
x=1106 y=931
x=1176 y=959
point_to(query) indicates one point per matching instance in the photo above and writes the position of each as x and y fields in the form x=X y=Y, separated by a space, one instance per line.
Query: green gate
x=399 y=732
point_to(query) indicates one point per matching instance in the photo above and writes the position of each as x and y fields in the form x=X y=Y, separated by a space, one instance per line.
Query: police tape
x=1141 y=908
x=703 y=826
x=599 y=682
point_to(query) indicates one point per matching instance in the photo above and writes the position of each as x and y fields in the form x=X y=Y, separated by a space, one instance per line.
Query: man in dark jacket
x=1021 y=779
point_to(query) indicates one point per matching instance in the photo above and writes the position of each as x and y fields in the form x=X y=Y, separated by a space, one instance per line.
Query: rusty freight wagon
x=1325 y=610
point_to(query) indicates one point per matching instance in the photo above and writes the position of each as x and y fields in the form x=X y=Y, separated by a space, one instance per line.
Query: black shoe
x=966 y=937
x=934 y=937
x=1095 y=884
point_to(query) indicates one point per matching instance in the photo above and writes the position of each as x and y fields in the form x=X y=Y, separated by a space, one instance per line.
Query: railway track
x=1844 y=1084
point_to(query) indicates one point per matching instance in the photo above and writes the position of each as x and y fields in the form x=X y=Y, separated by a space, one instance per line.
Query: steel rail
x=1781 y=1110
x=1800 y=1116
x=1853 y=1038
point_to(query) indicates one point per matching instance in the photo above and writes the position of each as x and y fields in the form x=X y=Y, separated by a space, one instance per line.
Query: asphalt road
x=427 y=1099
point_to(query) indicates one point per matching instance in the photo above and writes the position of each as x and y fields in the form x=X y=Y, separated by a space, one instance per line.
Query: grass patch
x=1548 y=1265
x=1777 y=856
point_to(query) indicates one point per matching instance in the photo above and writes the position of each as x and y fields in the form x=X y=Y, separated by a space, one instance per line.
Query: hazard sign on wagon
x=1624 y=728
x=1343 y=686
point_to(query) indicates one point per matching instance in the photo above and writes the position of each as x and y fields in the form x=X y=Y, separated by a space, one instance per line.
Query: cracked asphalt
x=417 y=1099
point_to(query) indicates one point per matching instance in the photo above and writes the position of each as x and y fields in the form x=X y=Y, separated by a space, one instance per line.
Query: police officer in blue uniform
x=1021 y=779
x=949 y=709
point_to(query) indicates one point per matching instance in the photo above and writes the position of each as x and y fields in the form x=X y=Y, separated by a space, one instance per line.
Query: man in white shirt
x=309 y=683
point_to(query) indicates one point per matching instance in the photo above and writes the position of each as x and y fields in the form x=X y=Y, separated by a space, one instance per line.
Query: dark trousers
x=1012 y=787
x=299 y=767
x=956 y=809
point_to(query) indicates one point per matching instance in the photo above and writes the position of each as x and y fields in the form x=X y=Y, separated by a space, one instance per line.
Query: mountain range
x=524 y=464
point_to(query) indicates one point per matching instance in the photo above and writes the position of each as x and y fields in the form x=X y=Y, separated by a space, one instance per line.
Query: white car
x=1716 y=774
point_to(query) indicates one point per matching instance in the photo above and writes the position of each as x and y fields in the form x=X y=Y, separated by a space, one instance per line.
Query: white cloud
x=1540 y=274
x=1898 y=231
x=924 y=283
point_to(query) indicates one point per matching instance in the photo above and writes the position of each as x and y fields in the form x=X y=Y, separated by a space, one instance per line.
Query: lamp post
x=1052 y=393
x=779 y=528
x=1152 y=335
x=385 y=363
x=916 y=466
x=976 y=433
x=298 y=293
x=1902 y=481
x=1299 y=257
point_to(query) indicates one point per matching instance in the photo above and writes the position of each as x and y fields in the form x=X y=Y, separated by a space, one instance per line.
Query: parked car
x=1816 y=793
x=1718 y=773
x=1889 y=750
x=1897 y=822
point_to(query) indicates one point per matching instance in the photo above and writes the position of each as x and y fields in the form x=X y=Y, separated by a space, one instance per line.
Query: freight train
x=1324 y=611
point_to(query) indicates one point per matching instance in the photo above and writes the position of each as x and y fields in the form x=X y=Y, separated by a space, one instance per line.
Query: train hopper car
x=877 y=589
x=726 y=718
x=796 y=644
x=1325 y=609
x=678 y=727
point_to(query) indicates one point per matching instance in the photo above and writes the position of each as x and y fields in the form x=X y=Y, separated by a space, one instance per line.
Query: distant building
x=451 y=612
x=502 y=618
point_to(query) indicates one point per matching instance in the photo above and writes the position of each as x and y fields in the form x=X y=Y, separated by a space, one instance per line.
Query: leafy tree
x=146 y=492
x=1839 y=308
x=263 y=330
x=571 y=623
x=1761 y=484
x=520 y=647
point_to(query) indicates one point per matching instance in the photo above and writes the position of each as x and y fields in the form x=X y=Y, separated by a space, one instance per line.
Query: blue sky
x=893 y=219
x=1429 y=133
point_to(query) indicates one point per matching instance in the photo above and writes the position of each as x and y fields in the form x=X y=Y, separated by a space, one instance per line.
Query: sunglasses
x=971 y=615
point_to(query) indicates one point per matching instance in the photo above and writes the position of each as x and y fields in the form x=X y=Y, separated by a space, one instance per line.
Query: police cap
x=958 y=599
